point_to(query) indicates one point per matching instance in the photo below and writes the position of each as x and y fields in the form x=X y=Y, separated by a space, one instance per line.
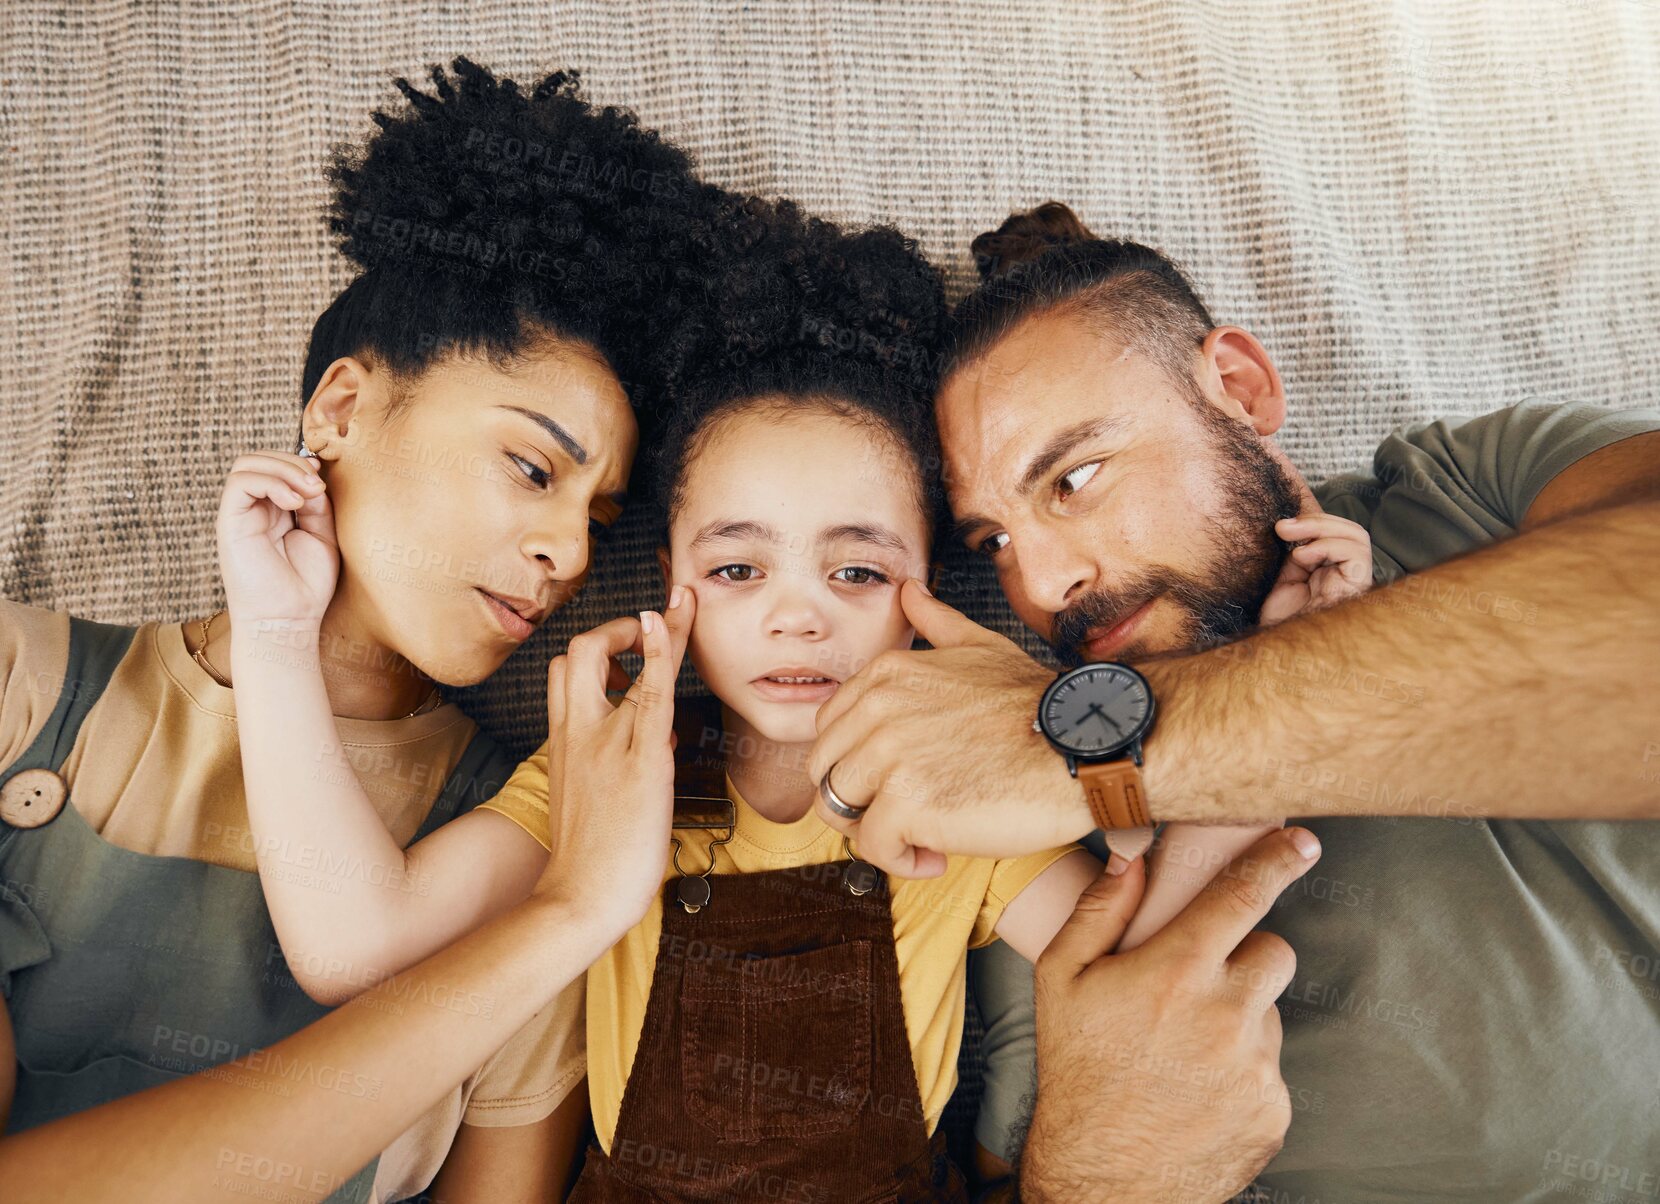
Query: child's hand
x=277 y=549
x=611 y=768
x=1332 y=561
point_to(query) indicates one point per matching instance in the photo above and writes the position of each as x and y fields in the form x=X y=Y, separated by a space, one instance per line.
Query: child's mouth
x=795 y=687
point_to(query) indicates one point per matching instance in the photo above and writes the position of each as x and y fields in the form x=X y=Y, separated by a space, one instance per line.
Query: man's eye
x=1077 y=478
x=537 y=476
x=989 y=546
x=734 y=572
x=598 y=532
x=861 y=575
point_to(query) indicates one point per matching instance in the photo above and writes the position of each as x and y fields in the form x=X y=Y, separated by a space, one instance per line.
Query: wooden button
x=32 y=797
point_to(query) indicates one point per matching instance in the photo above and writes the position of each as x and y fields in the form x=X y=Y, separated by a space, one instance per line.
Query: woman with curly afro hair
x=472 y=403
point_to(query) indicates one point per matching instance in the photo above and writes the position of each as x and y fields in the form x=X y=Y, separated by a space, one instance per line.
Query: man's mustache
x=1104 y=608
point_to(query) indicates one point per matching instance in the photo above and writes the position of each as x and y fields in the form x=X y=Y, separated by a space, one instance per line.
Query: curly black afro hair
x=486 y=218
x=804 y=314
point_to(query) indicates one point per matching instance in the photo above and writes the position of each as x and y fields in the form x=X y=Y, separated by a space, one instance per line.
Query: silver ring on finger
x=835 y=801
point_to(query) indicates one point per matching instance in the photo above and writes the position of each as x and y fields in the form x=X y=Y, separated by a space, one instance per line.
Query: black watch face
x=1096 y=709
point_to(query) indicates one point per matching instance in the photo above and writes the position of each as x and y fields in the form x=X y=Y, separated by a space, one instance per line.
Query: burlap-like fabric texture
x=1422 y=209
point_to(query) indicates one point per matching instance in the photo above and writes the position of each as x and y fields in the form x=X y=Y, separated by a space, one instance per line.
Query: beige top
x=156 y=769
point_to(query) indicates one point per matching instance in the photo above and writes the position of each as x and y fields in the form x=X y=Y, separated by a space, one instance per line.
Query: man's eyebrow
x=967 y=523
x=1060 y=443
x=561 y=436
x=871 y=533
x=732 y=529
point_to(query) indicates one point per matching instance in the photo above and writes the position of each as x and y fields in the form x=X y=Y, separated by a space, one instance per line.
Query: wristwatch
x=1095 y=716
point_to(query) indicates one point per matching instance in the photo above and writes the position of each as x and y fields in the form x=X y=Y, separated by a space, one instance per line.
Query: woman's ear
x=1238 y=367
x=328 y=423
x=667 y=565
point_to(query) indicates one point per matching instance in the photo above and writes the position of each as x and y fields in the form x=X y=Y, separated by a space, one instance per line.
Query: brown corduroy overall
x=773 y=1063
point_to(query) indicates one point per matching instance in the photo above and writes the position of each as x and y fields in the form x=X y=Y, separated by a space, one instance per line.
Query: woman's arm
x=522 y=1164
x=220 y=1133
x=224 y=1132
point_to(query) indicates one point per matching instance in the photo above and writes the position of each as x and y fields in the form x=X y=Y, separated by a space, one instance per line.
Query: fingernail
x=647 y=622
x=1307 y=843
x=675 y=595
x=1116 y=865
x=923 y=586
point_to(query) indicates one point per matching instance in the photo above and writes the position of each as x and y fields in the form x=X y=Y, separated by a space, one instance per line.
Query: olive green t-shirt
x=1476 y=1009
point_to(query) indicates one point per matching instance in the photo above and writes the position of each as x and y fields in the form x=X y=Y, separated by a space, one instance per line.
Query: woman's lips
x=1101 y=644
x=518 y=629
x=774 y=690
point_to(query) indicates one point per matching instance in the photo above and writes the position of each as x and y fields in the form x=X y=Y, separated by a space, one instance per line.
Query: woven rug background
x=1422 y=208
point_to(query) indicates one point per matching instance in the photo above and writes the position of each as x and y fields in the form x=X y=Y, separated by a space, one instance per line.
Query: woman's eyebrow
x=561 y=436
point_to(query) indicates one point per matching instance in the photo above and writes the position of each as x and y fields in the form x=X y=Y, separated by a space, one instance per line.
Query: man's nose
x=1053 y=572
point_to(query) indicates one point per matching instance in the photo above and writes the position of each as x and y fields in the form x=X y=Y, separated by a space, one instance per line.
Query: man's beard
x=1226 y=600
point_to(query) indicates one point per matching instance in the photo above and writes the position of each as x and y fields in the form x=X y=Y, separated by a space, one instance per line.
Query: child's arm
x=1036 y=914
x=349 y=904
x=1332 y=561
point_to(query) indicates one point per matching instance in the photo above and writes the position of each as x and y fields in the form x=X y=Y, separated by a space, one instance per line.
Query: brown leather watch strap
x=1115 y=793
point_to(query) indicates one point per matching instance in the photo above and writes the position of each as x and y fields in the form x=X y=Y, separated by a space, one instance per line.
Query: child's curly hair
x=805 y=314
x=486 y=218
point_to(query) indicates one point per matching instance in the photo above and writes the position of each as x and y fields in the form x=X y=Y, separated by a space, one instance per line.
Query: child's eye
x=989 y=545
x=739 y=572
x=1077 y=479
x=859 y=574
x=537 y=476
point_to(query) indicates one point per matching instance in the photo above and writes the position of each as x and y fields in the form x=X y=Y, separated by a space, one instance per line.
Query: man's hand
x=1158 y=1069
x=938 y=747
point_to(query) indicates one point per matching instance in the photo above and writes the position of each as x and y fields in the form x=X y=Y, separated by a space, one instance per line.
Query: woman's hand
x=611 y=768
x=277 y=549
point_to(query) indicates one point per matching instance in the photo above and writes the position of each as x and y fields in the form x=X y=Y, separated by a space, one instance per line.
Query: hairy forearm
x=334 y=879
x=321 y=1103
x=1505 y=683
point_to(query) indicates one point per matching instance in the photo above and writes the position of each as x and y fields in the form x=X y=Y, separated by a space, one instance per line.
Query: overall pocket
x=777 y=1046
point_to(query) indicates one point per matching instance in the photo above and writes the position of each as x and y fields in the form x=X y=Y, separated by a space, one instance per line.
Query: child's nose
x=795 y=616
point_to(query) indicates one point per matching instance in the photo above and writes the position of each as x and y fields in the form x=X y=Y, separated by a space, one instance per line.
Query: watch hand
x=1095 y=710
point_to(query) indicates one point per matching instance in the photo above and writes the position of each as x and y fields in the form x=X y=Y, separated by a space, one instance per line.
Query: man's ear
x=664 y=563
x=1237 y=367
x=328 y=424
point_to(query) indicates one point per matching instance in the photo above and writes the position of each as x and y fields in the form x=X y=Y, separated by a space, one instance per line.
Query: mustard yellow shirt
x=935 y=922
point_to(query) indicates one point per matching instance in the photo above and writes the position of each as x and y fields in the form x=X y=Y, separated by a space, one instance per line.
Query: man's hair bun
x=1024 y=236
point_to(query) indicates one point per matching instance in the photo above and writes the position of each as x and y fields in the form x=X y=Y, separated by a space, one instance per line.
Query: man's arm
x=1158 y=1069
x=1499 y=683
